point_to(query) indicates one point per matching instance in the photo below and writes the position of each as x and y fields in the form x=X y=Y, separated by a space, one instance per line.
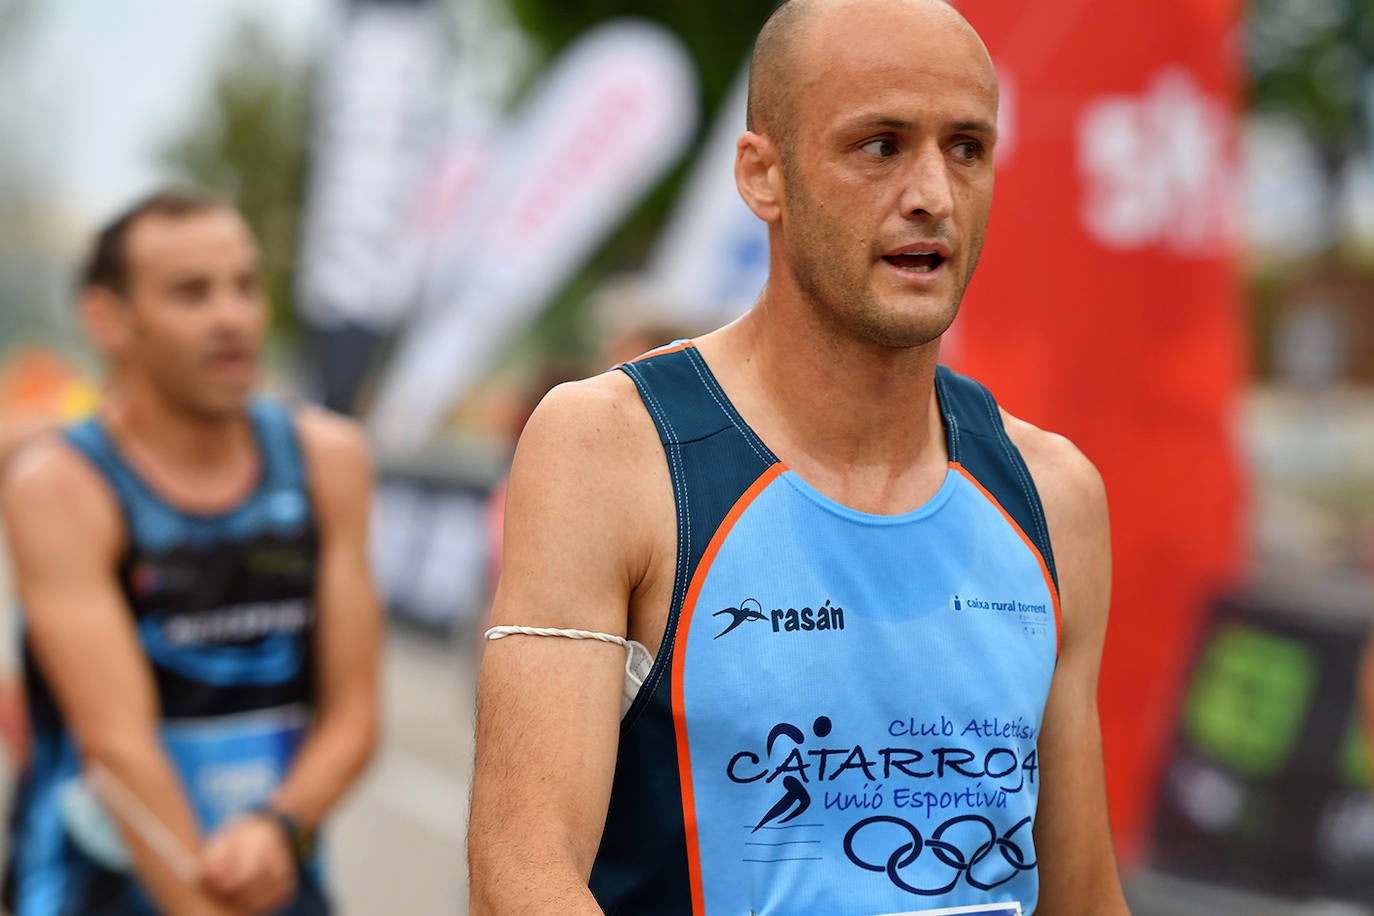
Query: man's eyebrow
x=868 y=120
x=974 y=125
x=977 y=126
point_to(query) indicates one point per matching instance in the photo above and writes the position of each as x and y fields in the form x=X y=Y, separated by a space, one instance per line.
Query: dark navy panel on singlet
x=224 y=609
x=843 y=714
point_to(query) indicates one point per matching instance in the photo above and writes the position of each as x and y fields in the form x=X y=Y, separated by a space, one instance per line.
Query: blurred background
x=465 y=202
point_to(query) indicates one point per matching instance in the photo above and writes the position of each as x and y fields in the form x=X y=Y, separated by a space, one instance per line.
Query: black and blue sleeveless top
x=224 y=609
x=843 y=715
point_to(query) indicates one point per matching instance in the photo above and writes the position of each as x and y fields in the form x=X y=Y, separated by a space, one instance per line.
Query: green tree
x=1309 y=60
x=250 y=143
x=717 y=32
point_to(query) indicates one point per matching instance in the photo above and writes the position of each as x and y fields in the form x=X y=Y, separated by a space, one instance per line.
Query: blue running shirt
x=843 y=716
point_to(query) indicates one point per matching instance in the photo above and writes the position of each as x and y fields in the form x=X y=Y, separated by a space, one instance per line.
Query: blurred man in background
x=866 y=694
x=201 y=626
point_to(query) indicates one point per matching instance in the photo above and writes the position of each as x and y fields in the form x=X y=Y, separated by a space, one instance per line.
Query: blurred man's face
x=888 y=182
x=195 y=313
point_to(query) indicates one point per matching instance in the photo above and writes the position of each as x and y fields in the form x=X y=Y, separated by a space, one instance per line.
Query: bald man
x=851 y=610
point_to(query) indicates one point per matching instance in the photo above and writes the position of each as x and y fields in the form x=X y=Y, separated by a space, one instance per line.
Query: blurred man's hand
x=249 y=863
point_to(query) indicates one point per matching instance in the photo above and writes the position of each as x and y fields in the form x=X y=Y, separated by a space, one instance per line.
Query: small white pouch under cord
x=638 y=661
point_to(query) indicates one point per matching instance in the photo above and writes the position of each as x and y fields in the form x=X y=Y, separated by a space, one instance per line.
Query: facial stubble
x=842 y=292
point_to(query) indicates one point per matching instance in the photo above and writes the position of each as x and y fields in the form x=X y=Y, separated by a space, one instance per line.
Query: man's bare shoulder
x=331 y=436
x=52 y=485
x=1069 y=484
x=589 y=468
x=589 y=510
x=1075 y=503
x=338 y=466
x=590 y=422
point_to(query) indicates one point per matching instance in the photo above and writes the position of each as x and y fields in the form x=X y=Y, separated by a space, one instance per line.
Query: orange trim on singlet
x=1044 y=567
x=684 y=623
x=663 y=350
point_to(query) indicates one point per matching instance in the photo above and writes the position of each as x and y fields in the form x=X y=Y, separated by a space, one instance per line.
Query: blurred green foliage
x=250 y=144
x=1312 y=60
x=717 y=32
x=34 y=274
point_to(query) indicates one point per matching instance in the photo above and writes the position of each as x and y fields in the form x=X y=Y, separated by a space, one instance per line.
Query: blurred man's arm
x=347 y=646
x=1078 y=874
x=65 y=533
x=548 y=709
x=15 y=434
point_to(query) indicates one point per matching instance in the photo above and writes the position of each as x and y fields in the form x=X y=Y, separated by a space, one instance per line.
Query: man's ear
x=105 y=318
x=758 y=175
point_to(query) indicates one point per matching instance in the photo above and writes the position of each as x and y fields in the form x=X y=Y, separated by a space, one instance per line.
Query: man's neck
x=199 y=461
x=860 y=421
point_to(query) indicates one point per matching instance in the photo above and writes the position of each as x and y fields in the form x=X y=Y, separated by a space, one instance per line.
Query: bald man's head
x=777 y=66
x=768 y=110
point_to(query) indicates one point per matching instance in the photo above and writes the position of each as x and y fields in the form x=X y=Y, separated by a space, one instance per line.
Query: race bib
x=227 y=766
x=230 y=765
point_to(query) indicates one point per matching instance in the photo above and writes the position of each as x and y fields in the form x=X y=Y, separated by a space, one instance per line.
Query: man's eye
x=192 y=293
x=882 y=147
x=968 y=151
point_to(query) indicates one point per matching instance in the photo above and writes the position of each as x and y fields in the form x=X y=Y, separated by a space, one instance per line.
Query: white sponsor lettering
x=240 y=622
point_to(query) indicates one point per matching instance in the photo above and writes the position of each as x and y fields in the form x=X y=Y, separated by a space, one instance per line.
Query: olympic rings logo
x=949 y=853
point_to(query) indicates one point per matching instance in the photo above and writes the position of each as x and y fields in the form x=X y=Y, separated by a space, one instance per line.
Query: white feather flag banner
x=711 y=261
x=359 y=261
x=615 y=111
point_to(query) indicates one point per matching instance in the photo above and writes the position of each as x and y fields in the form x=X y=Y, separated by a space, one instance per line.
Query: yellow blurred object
x=77 y=400
x=38 y=383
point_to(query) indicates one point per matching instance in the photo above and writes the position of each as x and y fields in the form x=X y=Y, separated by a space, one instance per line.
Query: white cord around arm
x=498 y=632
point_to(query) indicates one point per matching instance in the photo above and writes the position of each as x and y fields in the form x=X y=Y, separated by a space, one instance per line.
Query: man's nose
x=927 y=192
x=233 y=309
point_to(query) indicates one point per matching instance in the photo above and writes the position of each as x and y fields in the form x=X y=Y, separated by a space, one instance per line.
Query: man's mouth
x=917 y=262
x=232 y=359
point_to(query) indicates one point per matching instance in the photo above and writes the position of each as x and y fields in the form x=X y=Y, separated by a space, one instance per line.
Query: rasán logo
x=790 y=620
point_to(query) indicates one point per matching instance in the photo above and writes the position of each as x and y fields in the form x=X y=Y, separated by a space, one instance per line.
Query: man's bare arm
x=1073 y=842
x=65 y=532
x=349 y=627
x=548 y=708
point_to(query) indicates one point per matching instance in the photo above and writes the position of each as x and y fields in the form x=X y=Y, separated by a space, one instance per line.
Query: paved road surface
x=398 y=840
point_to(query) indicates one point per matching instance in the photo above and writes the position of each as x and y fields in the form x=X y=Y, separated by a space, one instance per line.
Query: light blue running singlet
x=844 y=713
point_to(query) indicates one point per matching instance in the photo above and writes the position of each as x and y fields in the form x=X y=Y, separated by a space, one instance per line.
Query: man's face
x=888 y=178
x=195 y=313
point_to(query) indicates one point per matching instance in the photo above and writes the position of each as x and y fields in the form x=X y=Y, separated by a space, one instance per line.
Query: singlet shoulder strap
x=979 y=443
x=149 y=520
x=275 y=428
x=91 y=439
x=713 y=458
x=686 y=401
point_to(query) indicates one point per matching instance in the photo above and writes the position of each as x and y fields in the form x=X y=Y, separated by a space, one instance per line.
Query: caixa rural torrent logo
x=1035 y=617
x=783 y=620
x=1011 y=605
